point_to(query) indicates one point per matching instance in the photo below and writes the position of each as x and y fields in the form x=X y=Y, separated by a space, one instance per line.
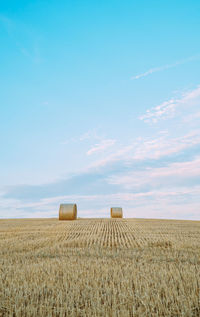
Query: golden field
x=99 y=267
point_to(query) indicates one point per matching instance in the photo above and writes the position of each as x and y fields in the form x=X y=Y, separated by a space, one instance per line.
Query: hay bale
x=68 y=212
x=116 y=212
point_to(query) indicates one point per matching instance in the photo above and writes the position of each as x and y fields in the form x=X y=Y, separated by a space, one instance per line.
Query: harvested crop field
x=99 y=267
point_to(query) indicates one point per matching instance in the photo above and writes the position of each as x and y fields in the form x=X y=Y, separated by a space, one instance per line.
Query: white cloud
x=168 y=66
x=155 y=148
x=174 y=174
x=102 y=146
x=87 y=136
x=192 y=117
x=90 y=134
x=168 y=108
x=176 y=138
x=155 y=176
x=168 y=203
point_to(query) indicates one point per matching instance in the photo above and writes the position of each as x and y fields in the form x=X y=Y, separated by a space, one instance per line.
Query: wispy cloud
x=165 y=145
x=102 y=146
x=174 y=175
x=174 y=202
x=168 y=66
x=168 y=108
x=89 y=135
x=151 y=148
x=192 y=117
x=161 y=171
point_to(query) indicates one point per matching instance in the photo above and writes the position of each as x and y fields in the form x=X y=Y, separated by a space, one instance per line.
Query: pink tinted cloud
x=101 y=147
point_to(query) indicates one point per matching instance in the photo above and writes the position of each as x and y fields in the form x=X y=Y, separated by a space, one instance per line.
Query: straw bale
x=116 y=212
x=68 y=212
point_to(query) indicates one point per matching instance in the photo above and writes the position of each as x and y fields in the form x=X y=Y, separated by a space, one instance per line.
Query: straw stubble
x=99 y=267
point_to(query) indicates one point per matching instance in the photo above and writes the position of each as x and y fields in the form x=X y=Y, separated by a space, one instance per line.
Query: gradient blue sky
x=100 y=105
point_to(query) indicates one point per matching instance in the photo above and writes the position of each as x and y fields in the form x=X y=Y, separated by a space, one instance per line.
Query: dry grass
x=99 y=267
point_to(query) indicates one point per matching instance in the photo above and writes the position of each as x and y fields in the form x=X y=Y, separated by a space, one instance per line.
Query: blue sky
x=100 y=105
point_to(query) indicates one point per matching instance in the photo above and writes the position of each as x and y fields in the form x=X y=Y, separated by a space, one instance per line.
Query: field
x=99 y=267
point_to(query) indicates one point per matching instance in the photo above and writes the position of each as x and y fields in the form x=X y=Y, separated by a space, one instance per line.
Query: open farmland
x=99 y=267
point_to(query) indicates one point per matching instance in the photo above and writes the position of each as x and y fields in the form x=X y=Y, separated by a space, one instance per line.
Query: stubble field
x=99 y=267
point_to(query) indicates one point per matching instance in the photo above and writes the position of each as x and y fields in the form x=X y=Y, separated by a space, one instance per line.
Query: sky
x=100 y=105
